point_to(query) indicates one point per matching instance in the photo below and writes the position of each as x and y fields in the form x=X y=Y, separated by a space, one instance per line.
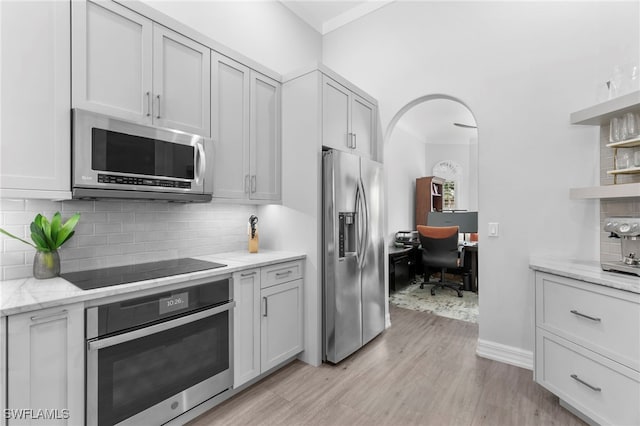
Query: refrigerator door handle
x=365 y=237
x=358 y=225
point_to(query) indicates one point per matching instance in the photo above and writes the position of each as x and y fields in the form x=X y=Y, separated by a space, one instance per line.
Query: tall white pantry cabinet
x=35 y=151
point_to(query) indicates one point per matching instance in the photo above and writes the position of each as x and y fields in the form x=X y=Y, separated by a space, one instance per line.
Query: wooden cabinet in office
x=127 y=66
x=349 y=120
x=45 y=359
x=246 y=131
x=35 y=149
x=428 y=197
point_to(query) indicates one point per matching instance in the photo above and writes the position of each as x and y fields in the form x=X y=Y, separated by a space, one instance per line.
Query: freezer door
x=342 y=326
x=373 y=261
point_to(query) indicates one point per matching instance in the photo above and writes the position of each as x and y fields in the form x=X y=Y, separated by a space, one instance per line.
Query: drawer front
x=600 y=388
x=280 y=273
x=605 y=323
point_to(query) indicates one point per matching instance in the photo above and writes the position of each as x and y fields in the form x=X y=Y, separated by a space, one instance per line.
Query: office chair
x=440 y=250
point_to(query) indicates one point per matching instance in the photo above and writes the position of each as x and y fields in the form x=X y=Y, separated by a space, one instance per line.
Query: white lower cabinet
x=45 y=366
x=267 y=318
x=587 y=346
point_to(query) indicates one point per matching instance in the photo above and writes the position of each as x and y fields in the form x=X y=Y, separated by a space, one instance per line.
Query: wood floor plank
x=423 y=370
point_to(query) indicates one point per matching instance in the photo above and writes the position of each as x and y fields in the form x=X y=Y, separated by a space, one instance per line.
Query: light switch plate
x=494 y=229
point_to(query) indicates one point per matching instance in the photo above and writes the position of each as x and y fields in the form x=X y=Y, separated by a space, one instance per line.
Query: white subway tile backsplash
x=113 y=233
x=11 y=205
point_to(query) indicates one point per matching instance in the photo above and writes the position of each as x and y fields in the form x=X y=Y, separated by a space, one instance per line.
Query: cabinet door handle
x=158 y=98
x=349 y=140
x=283 y=274
x=579 y=380
x=55 y=314
x=355 y=141
x=248 y=274
x=149 y=106
x=266 y=305
x=573 y=311
x=253 y=183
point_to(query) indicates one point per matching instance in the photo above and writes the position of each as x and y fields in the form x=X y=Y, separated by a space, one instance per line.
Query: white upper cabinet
x=335 y=115
x=181 y=78
x=246 y=108
x=362 y=126
x=348 y=119
x=127 y=66
x=230 y=123
x=265 y=128
x=35 y=148
x=112 y=60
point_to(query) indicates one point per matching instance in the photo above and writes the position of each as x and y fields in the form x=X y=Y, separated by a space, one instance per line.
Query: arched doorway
x=433 y=135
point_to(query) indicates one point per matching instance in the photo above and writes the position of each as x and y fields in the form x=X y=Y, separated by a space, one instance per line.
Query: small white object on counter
x=586 y=270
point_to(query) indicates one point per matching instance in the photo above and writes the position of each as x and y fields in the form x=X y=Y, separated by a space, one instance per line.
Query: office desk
x=473 y=252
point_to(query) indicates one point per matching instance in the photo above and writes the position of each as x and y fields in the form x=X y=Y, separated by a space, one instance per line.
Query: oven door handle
x=97 y=344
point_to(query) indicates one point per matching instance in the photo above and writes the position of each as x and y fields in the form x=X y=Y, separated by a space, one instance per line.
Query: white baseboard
x=503 y=353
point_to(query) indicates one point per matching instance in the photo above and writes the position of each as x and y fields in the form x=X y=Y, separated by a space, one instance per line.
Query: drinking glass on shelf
x=631 y=125
x=614 y=129
x=624 y=131
x=623 y=160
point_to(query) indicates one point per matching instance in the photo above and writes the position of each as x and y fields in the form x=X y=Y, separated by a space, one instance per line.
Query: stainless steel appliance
x=353 y=270
x=628 y=230
x=152 y=358
x=113 y=158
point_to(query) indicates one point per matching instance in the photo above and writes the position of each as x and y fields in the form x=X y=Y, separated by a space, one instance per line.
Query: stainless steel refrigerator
x=353 y=268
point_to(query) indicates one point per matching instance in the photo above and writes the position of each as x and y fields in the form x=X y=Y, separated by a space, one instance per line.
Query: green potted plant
x=47 y=237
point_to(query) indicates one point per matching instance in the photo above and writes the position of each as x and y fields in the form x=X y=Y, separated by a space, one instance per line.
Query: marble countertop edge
x=29 y=294
x=585 y=270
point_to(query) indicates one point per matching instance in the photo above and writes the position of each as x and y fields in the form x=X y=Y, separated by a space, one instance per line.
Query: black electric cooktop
x=105 y=277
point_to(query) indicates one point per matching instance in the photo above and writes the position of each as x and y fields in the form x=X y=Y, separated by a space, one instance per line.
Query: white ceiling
x=327 y=15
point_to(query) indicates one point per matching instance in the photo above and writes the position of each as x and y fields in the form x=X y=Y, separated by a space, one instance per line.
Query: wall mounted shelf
x=603 y=112
x=626 y=190
x=628 y=171
x=629 y=143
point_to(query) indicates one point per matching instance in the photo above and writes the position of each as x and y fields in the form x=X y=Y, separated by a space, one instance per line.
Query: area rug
x=445 y=303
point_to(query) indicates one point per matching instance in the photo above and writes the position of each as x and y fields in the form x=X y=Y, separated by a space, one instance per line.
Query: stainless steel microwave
x=114 y=158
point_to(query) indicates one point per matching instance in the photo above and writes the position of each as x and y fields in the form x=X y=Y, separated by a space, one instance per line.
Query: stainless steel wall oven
x=152 y=358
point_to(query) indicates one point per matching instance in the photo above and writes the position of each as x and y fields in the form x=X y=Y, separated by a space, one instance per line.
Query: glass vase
x=46 y=264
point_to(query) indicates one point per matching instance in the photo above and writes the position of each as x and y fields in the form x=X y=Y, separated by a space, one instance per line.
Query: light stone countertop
x=585 y=270
x=29 y=294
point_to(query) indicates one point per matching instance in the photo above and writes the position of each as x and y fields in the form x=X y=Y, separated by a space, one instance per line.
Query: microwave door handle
x=201 y=163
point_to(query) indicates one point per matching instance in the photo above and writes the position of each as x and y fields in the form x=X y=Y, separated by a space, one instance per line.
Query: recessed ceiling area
x=432 y=122
x=327 y=15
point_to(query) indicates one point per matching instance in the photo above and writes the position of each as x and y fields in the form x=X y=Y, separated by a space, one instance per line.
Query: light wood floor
x=421 y=371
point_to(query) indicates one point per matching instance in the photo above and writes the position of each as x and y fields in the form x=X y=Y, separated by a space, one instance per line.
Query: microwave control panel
x=130 y=180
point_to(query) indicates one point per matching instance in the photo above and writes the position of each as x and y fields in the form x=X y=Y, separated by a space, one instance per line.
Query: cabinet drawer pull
x=573 y=311
x=283 y=274
x=41 y=317
x=248 y=274
x=265 y=306
x=158 y=97
x=579 y=380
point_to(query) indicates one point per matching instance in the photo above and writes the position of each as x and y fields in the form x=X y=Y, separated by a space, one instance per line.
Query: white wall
x=522 y=68
x=404 y=161
x=265 y=31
